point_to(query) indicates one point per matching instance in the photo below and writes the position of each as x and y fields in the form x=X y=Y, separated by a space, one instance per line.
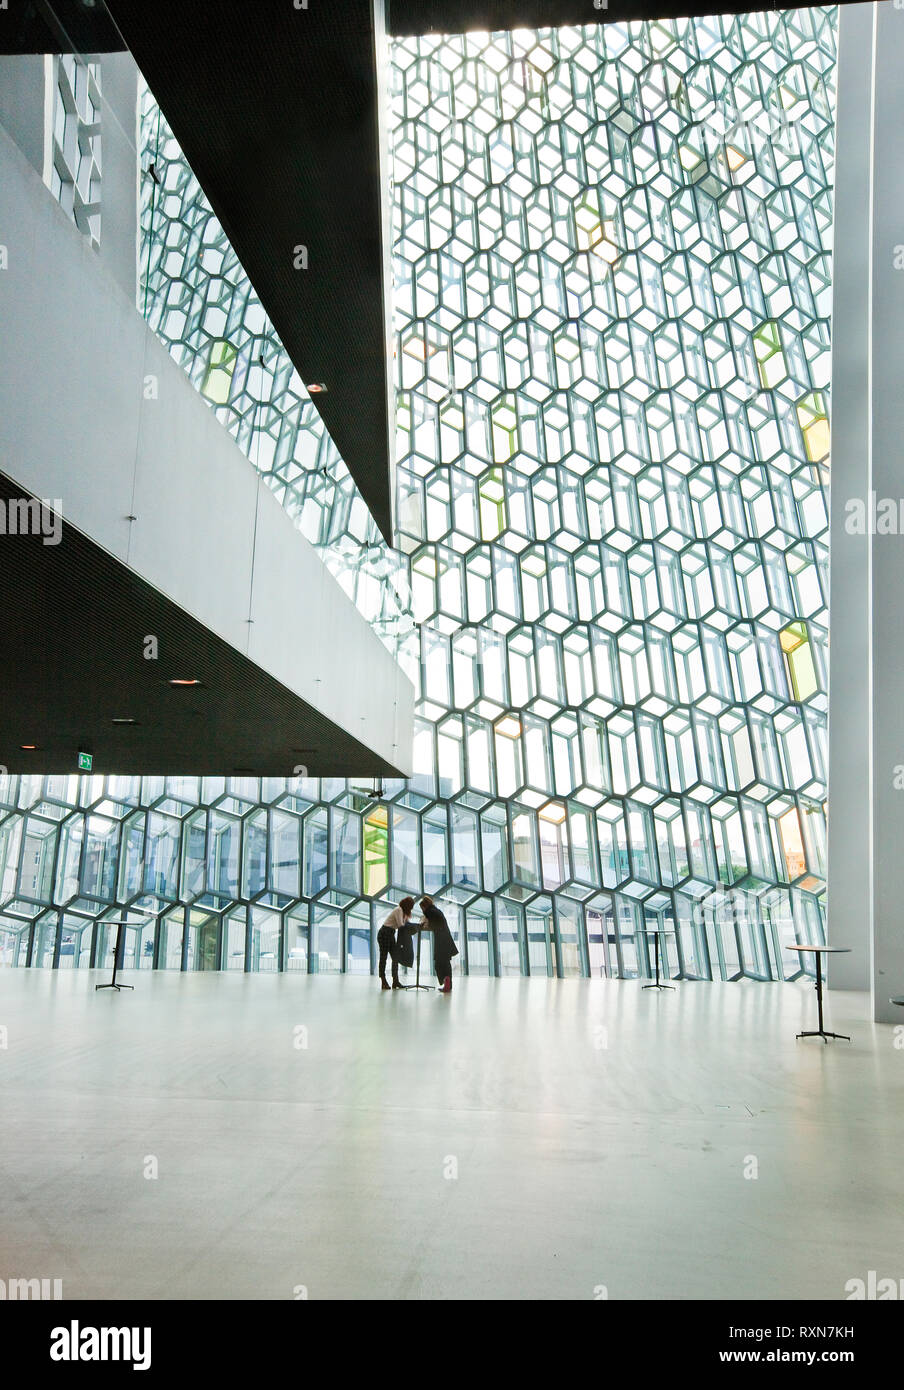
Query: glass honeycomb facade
x=196 y=296
x=612 y=294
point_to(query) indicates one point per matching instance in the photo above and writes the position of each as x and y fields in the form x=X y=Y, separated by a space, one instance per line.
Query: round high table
x=656 y=932
x=819 y=952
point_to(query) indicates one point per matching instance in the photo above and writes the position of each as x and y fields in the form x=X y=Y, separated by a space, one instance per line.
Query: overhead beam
x=276 y=109
x=57 y=26
x=460 y=16
x=79 y=622
x=174 y=561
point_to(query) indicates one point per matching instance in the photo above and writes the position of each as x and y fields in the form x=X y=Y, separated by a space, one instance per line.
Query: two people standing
x=444 y=947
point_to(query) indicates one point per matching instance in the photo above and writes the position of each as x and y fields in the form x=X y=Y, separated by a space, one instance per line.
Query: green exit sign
x=85 y=761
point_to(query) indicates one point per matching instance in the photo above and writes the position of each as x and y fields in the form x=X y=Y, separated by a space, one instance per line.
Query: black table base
x=658 y=983
x=417 y=978
x=113 y=983
x=820 y=1032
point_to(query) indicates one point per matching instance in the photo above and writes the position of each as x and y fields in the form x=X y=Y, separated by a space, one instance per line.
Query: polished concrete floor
x=526 y=1139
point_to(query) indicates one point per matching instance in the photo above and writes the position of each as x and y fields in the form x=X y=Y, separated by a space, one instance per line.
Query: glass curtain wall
x=612 y=295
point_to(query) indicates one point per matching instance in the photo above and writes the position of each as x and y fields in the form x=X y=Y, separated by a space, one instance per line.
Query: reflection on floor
x=235 y=1136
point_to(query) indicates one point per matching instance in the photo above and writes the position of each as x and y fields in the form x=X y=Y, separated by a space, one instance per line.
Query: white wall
x=79 y=421
x=886 y=457
x=849 y=753
x=866 y=691
x=22 y=104
x=119 y=240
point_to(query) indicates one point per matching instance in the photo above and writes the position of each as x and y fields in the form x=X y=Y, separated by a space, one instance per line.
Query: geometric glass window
x=814 y=425
x=220 y=368
x=612 y=411
x=795 y=644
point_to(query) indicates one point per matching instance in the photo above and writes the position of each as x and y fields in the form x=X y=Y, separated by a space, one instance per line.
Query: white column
x=22 y=100
x=119 y=178
x=849 y=649
x=887 y=482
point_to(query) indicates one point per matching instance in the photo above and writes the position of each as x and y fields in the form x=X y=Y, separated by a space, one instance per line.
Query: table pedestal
x=658 y=984
x=417 y=978
x=820 y=1032
x=114 y=983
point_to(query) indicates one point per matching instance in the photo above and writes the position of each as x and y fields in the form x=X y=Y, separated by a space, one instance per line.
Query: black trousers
x=442 y=968
x=386 y=940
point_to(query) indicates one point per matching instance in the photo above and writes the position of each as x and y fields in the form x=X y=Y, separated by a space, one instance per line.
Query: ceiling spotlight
x=28 y=747
x=125 y=721
x=316 y=388
x=184 y=682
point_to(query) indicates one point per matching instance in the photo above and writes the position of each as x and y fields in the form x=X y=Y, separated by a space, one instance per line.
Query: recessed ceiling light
x=28 y=747
x=316 y=388
x=125 y=721
x=176 y=681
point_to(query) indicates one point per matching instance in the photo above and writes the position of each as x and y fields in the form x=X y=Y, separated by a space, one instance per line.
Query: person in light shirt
x=388 y=941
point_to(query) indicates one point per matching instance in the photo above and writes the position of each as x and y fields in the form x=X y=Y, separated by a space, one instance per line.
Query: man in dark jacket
x=444 y=947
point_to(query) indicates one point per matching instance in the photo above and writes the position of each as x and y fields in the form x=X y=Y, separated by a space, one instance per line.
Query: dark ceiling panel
x=57 y=26
x=276 y=111
x=73 y=629
x=458 y=16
